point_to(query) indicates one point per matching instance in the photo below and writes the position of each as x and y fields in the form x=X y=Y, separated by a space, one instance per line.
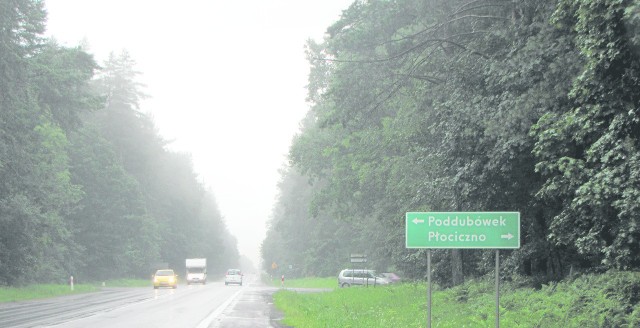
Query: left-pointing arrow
x=416 y=221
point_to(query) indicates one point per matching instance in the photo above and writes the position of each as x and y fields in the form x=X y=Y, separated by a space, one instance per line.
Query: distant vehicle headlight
x=172 y=279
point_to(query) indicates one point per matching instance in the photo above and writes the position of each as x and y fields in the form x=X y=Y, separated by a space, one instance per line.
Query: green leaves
x=86 y=186
x=588 y=148
x=61 y=75
x=36 y=192
x=481 y=105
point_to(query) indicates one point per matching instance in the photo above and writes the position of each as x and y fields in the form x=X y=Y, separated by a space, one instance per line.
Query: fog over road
x=198 y=306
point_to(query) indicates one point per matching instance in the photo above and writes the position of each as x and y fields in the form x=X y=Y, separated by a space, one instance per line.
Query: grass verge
x=608 y=300
x=309 y=282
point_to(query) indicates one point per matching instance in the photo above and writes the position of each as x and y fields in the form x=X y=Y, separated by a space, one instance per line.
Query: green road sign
x=462 y=230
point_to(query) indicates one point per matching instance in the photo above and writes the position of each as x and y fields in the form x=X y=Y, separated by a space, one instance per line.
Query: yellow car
x=165 y=278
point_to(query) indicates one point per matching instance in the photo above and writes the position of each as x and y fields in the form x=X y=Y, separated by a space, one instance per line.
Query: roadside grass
x=309 y=282
x=14 y=294
x=607 y=300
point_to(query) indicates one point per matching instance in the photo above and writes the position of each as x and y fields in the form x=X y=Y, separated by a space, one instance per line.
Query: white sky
x=226 y=81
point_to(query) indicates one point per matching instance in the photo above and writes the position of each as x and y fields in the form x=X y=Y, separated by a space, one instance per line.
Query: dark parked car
x=392 y=277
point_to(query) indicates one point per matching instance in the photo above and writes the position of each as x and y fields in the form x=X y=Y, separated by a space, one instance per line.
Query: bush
x=604 y=300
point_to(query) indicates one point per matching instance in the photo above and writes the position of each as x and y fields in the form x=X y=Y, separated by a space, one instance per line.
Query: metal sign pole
x=428 y=288
x=497 y=288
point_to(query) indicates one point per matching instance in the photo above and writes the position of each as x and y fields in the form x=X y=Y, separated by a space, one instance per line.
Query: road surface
x=198 y=306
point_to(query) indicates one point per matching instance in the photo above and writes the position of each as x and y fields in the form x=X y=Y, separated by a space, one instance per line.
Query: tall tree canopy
x=588 y=149
x=482 y=105
x=36 y=191
x=87 y=186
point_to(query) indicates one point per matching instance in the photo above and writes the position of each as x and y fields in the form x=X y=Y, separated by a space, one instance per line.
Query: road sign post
x=497 y=288
x=429 y=287
x=480 y=230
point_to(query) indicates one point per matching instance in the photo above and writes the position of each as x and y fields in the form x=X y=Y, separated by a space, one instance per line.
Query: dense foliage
x=603 y=300
x=87 y=186
x=470 y=105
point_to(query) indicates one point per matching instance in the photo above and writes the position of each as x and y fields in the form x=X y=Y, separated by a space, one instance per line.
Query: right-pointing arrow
x=507 y=236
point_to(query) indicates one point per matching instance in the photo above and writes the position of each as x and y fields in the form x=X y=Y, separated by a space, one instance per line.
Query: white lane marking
x=209 y=319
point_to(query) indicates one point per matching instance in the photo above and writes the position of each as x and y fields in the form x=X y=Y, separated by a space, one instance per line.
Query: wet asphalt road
x=199 y=306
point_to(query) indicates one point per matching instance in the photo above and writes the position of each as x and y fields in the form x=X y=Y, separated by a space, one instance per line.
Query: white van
x=196 y=271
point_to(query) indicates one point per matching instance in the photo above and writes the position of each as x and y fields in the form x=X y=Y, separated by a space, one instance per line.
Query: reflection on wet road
x=201 y=306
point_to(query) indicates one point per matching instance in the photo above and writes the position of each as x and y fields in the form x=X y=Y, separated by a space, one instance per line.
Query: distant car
x=392 y=277
x=165 y=278
x=352 y=277
x=234 y=276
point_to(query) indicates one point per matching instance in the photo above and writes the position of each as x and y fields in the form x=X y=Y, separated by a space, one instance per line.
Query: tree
x=588 y=148
x=460 y=106
x=86 y=185
x=36 y=192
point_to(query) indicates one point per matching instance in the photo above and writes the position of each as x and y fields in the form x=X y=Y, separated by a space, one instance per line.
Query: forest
x=88 y=187
x=467 y=105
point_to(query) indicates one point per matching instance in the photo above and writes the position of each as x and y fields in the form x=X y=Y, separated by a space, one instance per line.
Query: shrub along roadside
x=606 y=300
